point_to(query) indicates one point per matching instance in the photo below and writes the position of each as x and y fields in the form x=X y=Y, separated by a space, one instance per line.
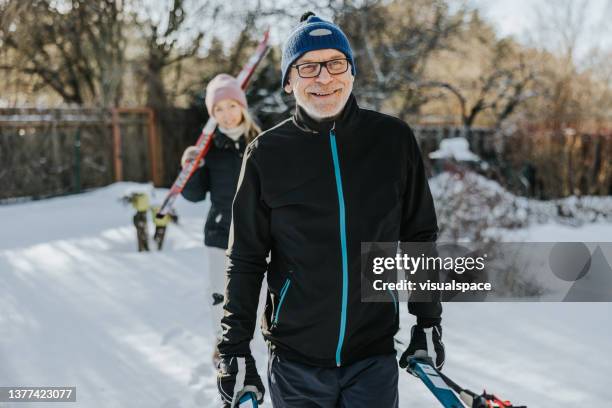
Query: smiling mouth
x=324 y=94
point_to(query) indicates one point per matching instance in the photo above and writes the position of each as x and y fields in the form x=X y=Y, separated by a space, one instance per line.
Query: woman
x=218 y=174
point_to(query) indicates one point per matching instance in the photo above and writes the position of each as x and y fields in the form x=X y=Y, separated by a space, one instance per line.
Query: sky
x=515 y=17
x=522 y=19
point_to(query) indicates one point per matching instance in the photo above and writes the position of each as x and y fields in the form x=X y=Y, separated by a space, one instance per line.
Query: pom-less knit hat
x=314 y=34
x=224 y=86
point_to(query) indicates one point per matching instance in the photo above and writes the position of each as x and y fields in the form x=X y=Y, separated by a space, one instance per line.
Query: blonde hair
x=251 y=129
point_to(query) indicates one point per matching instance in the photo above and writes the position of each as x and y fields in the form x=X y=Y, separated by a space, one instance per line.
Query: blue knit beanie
x=314 y=34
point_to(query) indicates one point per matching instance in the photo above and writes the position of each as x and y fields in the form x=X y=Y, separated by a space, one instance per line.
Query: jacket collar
x=222 y=141
x=346 y=120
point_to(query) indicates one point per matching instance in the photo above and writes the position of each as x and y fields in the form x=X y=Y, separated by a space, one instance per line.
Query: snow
x=561 y=233
x=456 y=148
x=80 y=307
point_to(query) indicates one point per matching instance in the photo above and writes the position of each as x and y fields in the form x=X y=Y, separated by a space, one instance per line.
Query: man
x=310 y=191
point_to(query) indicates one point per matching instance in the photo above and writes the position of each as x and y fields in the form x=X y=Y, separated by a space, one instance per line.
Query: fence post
x=77 y=161
x=153 y=145
x=117 y=146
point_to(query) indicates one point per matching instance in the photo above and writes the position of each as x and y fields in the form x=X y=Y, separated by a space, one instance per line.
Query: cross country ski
x=203 y=142
x=449 y=393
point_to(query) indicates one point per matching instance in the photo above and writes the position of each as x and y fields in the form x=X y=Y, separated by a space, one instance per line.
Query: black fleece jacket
x=309 y=193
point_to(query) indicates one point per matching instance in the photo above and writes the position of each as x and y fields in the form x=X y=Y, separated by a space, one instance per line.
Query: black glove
x=236 y=376
x=217 y=298
x=421 y=341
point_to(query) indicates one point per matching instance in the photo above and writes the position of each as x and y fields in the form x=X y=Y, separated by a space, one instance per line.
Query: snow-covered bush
x=468 y=205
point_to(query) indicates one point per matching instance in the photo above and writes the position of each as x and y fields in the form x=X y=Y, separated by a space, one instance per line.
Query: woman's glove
x=190 y=154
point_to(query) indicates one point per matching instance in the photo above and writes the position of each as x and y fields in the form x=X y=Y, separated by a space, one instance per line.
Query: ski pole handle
x=248 y=400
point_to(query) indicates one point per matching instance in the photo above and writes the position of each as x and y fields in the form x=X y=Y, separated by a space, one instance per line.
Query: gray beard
x=315 y=115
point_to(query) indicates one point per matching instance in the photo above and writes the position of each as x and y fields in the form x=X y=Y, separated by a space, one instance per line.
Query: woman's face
x=228 y=113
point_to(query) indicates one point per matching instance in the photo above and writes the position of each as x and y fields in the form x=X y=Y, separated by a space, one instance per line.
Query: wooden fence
x=61 y=151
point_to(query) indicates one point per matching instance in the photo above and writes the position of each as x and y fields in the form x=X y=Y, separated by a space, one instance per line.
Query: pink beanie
x=224 y=86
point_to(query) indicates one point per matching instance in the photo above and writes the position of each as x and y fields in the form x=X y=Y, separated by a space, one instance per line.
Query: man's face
x=325 y=95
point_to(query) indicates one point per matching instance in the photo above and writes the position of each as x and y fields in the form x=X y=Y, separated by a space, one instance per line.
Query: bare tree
x=75 y=48
x=165 y=47
x=576 y=93
x=573 y=32
x=500 y=89
x=392 y=41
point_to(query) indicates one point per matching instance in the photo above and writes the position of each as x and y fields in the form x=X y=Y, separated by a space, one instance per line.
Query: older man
x=311 y=190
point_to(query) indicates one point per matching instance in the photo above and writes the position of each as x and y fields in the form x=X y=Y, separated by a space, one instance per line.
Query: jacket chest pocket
x=281 y=300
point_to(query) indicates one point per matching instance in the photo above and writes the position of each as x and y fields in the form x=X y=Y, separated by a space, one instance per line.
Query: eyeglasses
x=313 y=69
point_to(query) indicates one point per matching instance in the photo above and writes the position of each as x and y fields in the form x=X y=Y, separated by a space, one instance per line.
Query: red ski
x=205 y=139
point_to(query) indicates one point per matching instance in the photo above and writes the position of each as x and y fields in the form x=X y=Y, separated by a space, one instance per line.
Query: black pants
x=371 y=382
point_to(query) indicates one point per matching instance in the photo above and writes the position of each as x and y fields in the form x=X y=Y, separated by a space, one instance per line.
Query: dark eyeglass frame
x=322 y=64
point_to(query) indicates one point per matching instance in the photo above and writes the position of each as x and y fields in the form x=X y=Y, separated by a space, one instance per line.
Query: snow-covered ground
x=80 y=307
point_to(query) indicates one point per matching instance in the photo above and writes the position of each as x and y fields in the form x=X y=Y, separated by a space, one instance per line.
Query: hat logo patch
x=318 y=32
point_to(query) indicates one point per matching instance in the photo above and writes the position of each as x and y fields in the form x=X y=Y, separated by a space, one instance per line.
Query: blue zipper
x=394 y=299
x=334 y=149
x=283 y=293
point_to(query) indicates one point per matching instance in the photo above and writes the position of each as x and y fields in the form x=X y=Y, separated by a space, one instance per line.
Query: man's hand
x=237 y=376
x=425 y=342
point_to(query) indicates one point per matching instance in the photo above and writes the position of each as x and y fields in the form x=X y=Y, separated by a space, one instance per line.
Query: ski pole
x=474 y=400
x=424 y=369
